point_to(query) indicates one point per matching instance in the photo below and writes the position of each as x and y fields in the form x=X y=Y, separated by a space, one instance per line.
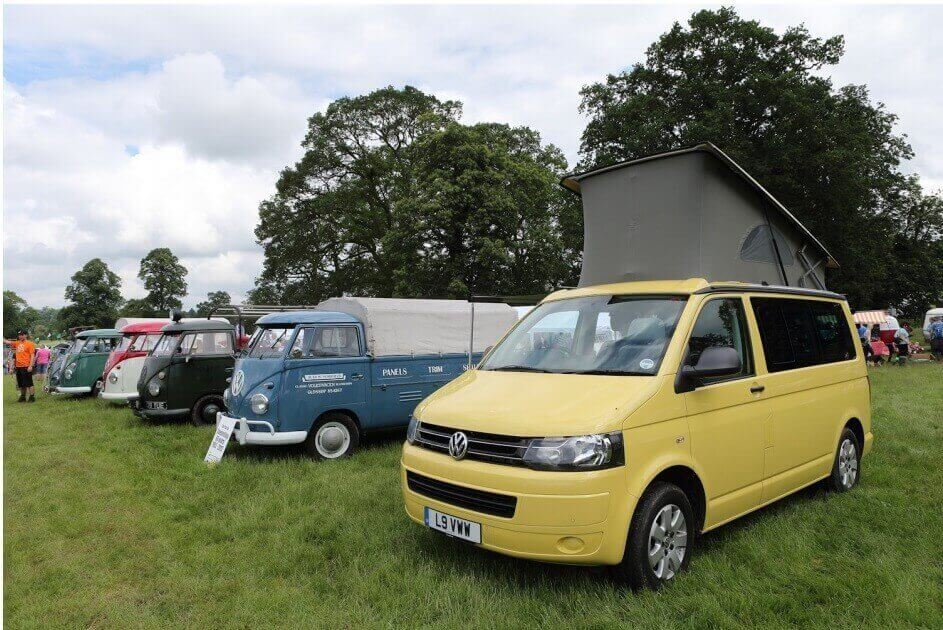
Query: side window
x=833 y=333
x=799 y=327
x=185 y=344
x=302 y=345
x=334 y=341
x=208 y=343
x=721 y=323
x=776 y=346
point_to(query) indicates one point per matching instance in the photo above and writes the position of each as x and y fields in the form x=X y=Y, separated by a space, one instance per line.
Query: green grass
x=110 y=522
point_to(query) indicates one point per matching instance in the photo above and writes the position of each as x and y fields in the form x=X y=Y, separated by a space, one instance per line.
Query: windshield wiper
x=518 y=368
x=610 y=373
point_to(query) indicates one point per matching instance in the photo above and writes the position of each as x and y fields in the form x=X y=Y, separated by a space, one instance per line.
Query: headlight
x=153 y=387
x=583 y=452
x=412 y=431
x=112 y=377
x=69 y=371
x=259 y=404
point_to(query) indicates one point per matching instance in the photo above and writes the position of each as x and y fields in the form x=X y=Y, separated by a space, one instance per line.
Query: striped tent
x=870 y=317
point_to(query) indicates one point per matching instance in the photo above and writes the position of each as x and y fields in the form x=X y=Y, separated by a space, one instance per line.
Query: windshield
x=269 y=343
x=165 y=346
x=125 y=343
x=605 y=334
x=145 y=343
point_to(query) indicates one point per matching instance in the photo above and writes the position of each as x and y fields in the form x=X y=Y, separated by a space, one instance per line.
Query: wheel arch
x=690 y=483
x=347 y=412
x=857 y=428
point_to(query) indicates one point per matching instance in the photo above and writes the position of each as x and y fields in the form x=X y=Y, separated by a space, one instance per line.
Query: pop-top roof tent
x=405 y=327
x=687 y=213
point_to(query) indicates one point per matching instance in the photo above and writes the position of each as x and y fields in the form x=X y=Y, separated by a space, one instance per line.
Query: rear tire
x=660 y=540
x=205 y=409
x=846 y=469
x=333 y=436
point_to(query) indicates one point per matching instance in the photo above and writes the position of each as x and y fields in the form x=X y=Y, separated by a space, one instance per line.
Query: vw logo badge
x=458 y=445
x=237 y=382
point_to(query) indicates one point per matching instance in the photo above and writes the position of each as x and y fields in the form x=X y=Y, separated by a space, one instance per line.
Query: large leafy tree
x=213 y=299
x=95 y=296
x=829 y=154
x=164 y=278
x=394 y=197
x=14 y=314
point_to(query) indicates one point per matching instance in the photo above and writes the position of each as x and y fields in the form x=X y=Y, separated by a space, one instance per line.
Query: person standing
x=43 y=355
x=936 y=338
x=902 y=340
x=864 y=335
x=24 y=359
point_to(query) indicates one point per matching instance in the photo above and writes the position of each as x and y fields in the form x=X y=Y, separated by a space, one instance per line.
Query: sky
x=132 y=127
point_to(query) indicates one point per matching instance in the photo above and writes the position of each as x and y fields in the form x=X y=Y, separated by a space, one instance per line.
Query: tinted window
x=798 y=333
x=833 y=334
x=721 y=323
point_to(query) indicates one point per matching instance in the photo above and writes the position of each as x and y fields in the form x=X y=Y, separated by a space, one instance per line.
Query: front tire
x=205 y=410
x=847 y=465
x=660 y=538
x=333 y=436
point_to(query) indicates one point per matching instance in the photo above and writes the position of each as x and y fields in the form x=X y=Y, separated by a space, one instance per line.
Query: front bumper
x=118 y=397
x=271 y=437
x=74 y=390
x=564 y=517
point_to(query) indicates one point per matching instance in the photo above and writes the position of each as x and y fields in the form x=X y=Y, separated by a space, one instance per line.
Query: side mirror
x=715 y=361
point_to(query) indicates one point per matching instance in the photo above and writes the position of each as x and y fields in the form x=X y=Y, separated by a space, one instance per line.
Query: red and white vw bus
x=124 y=364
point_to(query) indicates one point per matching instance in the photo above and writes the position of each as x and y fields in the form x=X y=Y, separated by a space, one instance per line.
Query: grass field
x=109 y=522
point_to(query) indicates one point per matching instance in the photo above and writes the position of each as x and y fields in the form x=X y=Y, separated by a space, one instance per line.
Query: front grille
x=468 y=498
x=486 y=447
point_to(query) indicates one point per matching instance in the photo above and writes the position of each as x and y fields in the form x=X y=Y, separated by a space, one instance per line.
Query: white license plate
x=453 y=525
x=155 y=405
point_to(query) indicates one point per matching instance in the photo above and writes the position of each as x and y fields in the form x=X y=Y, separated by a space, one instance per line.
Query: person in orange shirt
x=24 y=359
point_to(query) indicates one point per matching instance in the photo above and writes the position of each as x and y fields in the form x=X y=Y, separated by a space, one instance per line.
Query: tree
x=375 y=208
x=828 y=154
x=95 y=296
x=213 y=299
x=13 y=307
x=140 y=307
x=164 y=279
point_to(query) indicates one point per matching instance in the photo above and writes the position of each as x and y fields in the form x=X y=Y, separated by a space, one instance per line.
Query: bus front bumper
x=270 y=437
x=74 y=390
x=570 y=518
x=118 y=397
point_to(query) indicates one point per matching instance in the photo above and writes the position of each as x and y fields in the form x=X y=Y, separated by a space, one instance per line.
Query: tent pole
x=471 y=336
x=772 y=238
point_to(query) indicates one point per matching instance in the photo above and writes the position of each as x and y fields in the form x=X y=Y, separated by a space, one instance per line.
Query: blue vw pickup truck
x=325 y=377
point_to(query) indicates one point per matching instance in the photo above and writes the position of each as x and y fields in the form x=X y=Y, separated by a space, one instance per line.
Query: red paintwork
x=133 y=330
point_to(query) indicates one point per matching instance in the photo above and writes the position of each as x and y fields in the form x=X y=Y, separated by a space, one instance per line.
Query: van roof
x=144 y=327
x=199 y=324
x=691 y=286
x=293 y=318
x=98 y=332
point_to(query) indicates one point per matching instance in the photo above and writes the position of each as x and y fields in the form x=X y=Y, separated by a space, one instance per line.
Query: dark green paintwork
x=88 y=363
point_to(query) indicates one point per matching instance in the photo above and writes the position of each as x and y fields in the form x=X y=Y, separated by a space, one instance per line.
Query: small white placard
x=224 y=429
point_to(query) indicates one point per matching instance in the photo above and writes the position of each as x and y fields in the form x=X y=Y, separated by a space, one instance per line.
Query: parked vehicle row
x=611 y=425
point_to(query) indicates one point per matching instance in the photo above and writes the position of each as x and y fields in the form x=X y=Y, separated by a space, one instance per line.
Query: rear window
x=800 y=333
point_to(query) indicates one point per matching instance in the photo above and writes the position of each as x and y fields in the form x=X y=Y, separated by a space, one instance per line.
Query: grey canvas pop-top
x=691 y=213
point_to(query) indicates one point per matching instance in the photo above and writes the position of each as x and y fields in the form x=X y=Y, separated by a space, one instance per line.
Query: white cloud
x=131 y=127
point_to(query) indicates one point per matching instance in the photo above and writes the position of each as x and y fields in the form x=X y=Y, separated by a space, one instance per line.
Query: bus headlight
x=153 y=388
x=582 y=452
x=112 y=377
x=412 y=431
x=69 y=371
x=259 y=404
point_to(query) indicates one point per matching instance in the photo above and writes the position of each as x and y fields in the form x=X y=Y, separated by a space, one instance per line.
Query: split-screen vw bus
x=615 y=423
x=83 y=367
x=185 y=374
x=124 y=365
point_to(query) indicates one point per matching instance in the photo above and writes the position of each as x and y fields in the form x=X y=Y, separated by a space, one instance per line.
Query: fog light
x=570 y=544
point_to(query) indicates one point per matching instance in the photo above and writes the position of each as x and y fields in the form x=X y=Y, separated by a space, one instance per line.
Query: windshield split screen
x=605 y=334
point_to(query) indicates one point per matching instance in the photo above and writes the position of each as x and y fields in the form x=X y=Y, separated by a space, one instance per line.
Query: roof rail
x=742 y=287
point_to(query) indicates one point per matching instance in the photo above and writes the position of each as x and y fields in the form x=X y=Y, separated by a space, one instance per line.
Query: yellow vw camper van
x=615 y=423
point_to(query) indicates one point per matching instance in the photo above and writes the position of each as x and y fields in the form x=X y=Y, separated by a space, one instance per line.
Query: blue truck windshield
x=607 y=334
x=270 y=343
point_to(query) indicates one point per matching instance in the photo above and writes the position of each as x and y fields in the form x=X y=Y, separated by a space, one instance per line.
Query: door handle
x=756 y=389
x=356 y=376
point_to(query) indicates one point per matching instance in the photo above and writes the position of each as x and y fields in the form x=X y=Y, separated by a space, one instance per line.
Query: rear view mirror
x=715 y=361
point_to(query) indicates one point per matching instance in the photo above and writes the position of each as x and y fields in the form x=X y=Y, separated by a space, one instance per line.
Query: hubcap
x=847 y=463
x=332 y=440
x=667 y=542
x=209 y=412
